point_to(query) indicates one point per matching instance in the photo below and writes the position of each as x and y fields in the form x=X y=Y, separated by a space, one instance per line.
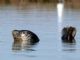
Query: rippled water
x=43 y=22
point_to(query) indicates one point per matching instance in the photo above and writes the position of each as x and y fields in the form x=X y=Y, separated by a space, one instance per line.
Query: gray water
x=44 y=22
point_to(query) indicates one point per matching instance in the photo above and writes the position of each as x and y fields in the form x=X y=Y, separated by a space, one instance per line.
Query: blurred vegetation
x=72 y=3
x=67 y=3
x=27 y=1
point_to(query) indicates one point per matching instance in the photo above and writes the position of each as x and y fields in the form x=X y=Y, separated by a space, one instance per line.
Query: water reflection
x=22 y=46
x=69 y=47
x=60 y=8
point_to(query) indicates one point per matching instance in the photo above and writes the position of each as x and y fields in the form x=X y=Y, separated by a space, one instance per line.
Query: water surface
x=42 y=20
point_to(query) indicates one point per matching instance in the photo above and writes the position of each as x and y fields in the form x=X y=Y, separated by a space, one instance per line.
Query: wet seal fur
x=25 y=35
x=68 y=34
